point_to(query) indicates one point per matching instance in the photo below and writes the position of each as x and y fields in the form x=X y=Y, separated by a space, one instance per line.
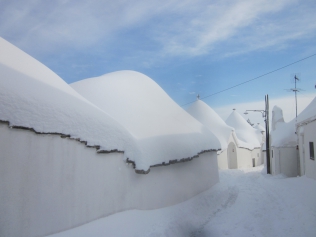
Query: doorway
x=232 y=156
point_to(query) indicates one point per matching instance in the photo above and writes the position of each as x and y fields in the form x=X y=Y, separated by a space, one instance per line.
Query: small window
x=311 y=150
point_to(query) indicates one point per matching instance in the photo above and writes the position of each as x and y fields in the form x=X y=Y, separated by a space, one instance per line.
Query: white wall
x=284 y=161
x=256 y=154
x=49 y=184
x=222 y=160
x=309 y=136
x=301 y=141
x=244 y=158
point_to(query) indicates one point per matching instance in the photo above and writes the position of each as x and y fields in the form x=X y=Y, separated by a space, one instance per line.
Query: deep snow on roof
x=34 y=97
x=259 y=127
x=207 y=116
x=248 y=136
x=164 y=130
x=283 y=134
x=309 y=113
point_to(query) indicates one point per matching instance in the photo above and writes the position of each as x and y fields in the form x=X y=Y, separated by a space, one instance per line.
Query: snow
x=248 y=137
x=32 y=96
x=259 y=127
x=164 y=131
x=207 y=116
x=282 y=134
x=308 y=114
x=136 y=115
x=246 y=202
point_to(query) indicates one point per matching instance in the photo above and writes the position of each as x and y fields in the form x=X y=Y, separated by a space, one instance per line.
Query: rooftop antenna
x=198 y=97
x=295 y=90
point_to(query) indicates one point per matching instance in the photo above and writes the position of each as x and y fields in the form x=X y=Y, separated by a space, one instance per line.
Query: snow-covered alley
x=246 y=202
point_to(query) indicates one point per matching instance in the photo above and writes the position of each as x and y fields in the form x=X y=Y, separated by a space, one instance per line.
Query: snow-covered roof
x=207 y=116
x=308 y=114
x=248 y=136
x=32 y=96
x=259 y=127
x=282 y=134
x=164 y=130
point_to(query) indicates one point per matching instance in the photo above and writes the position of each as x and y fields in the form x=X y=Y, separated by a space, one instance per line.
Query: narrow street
x=246 y=202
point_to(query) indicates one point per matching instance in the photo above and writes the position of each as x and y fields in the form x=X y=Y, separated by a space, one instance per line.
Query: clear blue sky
x=187 y=47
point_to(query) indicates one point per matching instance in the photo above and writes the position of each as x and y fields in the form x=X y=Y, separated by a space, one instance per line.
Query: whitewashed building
x=240 y=143
x=263 y=154
x=284 y=145
x=65 y=161
x=306 y=130
x=248 y=140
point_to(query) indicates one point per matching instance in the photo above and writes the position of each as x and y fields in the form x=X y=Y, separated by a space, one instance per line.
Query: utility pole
x=295 y=90
x=267 y=133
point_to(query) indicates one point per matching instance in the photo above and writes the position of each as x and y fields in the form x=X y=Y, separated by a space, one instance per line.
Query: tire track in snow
x=228 y=202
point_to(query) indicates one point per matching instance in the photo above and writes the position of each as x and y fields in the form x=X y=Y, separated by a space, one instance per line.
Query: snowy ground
x=246 y=202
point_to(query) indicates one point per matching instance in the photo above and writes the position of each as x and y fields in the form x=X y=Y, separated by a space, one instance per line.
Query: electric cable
x=253 y=78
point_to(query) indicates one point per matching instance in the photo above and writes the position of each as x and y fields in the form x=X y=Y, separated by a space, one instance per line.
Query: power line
x=253 y=78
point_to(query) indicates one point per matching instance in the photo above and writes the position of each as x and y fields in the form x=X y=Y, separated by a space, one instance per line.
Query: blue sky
x=187 y=47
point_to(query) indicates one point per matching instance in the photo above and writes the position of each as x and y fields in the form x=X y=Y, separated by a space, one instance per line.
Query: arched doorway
x=232 y=156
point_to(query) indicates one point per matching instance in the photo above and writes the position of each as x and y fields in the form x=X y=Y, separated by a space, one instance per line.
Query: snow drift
x=207 y=116
x=165 y=132
x=34 y=97
x=133 y=114
x=282 y=134
x=308 y=114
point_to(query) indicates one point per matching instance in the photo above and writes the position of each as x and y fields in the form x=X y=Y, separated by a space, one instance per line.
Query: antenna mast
x=295 y=90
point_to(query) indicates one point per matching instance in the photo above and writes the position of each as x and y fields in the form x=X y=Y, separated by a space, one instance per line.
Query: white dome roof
x=34 y=97
x=164 y=130
x=207 y=116
x=245 y=133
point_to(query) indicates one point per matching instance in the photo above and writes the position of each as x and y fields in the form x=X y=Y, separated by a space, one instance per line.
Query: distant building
x=248 y=140
x=238 y=150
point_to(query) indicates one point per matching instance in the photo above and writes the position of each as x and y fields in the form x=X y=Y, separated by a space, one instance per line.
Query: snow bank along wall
x=49 y=184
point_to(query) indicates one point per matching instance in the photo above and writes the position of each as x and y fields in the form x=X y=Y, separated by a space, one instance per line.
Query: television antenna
x=295 y=90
